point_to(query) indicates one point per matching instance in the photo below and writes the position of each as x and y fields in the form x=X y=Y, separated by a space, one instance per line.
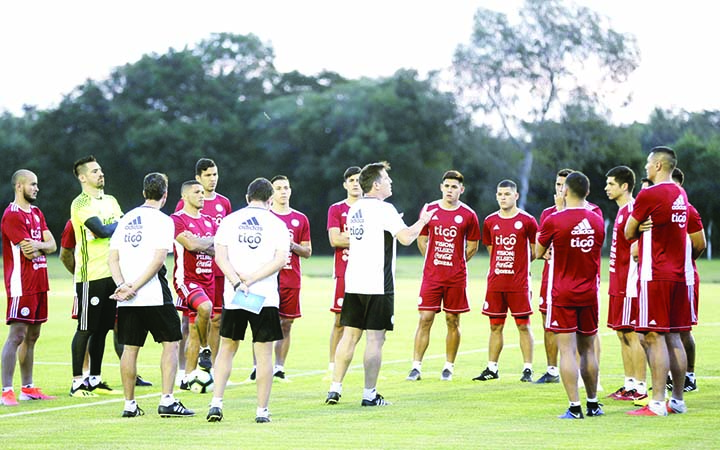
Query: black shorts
x=265 y=325
x=96 y=310
x=134 y=322
x=368 y=312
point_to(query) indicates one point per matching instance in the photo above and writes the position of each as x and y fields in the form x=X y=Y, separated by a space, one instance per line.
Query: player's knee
x=522 y=323
x=497 y=324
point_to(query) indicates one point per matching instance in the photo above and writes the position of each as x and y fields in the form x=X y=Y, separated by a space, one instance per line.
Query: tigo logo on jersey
x=506 y=241
x=448 y=234
x=585 y=244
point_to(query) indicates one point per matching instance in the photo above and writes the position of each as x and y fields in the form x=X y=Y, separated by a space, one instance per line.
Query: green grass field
x=428 y=414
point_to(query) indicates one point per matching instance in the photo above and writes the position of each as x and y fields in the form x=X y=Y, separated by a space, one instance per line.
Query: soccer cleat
x=414 y=375
x=214 y=414
x=527 y=376
x=645 y=411
x=487 y=374
x=177 y=409
x=690 y=385
x=594 y=410
x=8 y=398
x=103 y=388
x=377 y=401
x=547 y=378
x=642 y=400
x=204 y=360
x=34 y=393
x=279 y=374
x=619 y=394
x=82 y=391
x=185 y=386
x=571 y=415
x=333 y=398
x=140 y=382
x=137 y=412
x=676 y=408
x=446 y=375
x=253 y=375
x=261 y=419
x=669 y=383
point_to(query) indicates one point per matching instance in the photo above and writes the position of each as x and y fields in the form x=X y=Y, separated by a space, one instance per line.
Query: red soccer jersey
x=299 y=226
x=576 y=235
x=510 y=238
x=67 y=240
x=337 y=218
x=217 y=207
x=447 y=232
x=192 y=266
x=623 y=269
x=664 y=248
x=23 y=276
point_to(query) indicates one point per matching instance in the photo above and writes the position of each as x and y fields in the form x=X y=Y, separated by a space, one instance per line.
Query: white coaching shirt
x=252 y=235
x=138 y=235
x=372 y=225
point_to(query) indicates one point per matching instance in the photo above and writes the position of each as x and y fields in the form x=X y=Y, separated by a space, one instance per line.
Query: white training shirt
x=138 y=235
x=372 y=225
x=252 y=235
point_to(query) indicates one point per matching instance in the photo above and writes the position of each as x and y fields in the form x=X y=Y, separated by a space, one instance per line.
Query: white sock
x=130 y=405
x=591 y=400
x=77 y=382
x=553 y=370
x=690 y=375
x=167 y=400
x=336 y=387
x=216 y=402
x=629 y=383
x=527 y=366
x=369 y=394
x=417 y=365
x=7 y=388
x=278 y=368
x=449 y=366
x=262 y=412
x=641 y=387
x=493 y=366
x=94 y=380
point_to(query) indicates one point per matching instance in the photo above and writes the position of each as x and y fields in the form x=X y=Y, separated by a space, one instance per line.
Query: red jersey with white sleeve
x=664 y=249
x=216 y=207
x=23 y=276
x=576 y=235
x=299 y=227
x=448 y=230
x=337 y=218
x=623 y=268
x=190 y=266
x=510 y=238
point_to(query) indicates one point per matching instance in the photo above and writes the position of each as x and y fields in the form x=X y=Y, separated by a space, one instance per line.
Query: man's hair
x=260 y=189
x=371 y=173
x=666 y=155
x=623 y=174
x=350 y=171
x=279 y=177
x=454 y=175
x=507 y=184
x=578 y=184
x=78 y=166
x=155 y=185
x=187 y=184
x=646 y=180
x=564 y=172
x=678 y=176
x=20 y=174
x=203 y=164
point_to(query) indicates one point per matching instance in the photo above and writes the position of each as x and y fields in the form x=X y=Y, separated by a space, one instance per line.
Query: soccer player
x=251 y=246
x=623 y=303
x=696 y=232
x=290 y=275
x=340 y=241
x=94 y=216
x=373 y=227
x=193 y=276
x=576 y=234
x=665 y=274
x=552 y=375
x=26 y=240
x=138 y=249
x=447 y=243
x=216 y=206
x=509 y=235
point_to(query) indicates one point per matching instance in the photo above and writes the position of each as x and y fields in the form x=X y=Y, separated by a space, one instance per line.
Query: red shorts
x=290 y=303
x=572 y=319
x=542 y=303
x=339 y=295
x=694 y=296
x=219 y=294
x=452 y=298
x=27 y=309
x=622 y=312
x=664 y=307
x=497 y=304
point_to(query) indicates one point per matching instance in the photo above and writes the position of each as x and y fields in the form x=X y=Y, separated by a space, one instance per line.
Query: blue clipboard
x=249 y=302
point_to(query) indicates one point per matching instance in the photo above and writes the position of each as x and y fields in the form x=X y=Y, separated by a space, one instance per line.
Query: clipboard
x=249 y=302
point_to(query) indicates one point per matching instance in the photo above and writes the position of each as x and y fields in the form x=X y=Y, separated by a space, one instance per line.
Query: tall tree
x=525 y=72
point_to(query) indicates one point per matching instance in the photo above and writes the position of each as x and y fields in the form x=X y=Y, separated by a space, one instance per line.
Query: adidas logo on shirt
x=135 y=224
x=251 y=224
x=356 y=218
x=679 y=204
x=583 y=228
